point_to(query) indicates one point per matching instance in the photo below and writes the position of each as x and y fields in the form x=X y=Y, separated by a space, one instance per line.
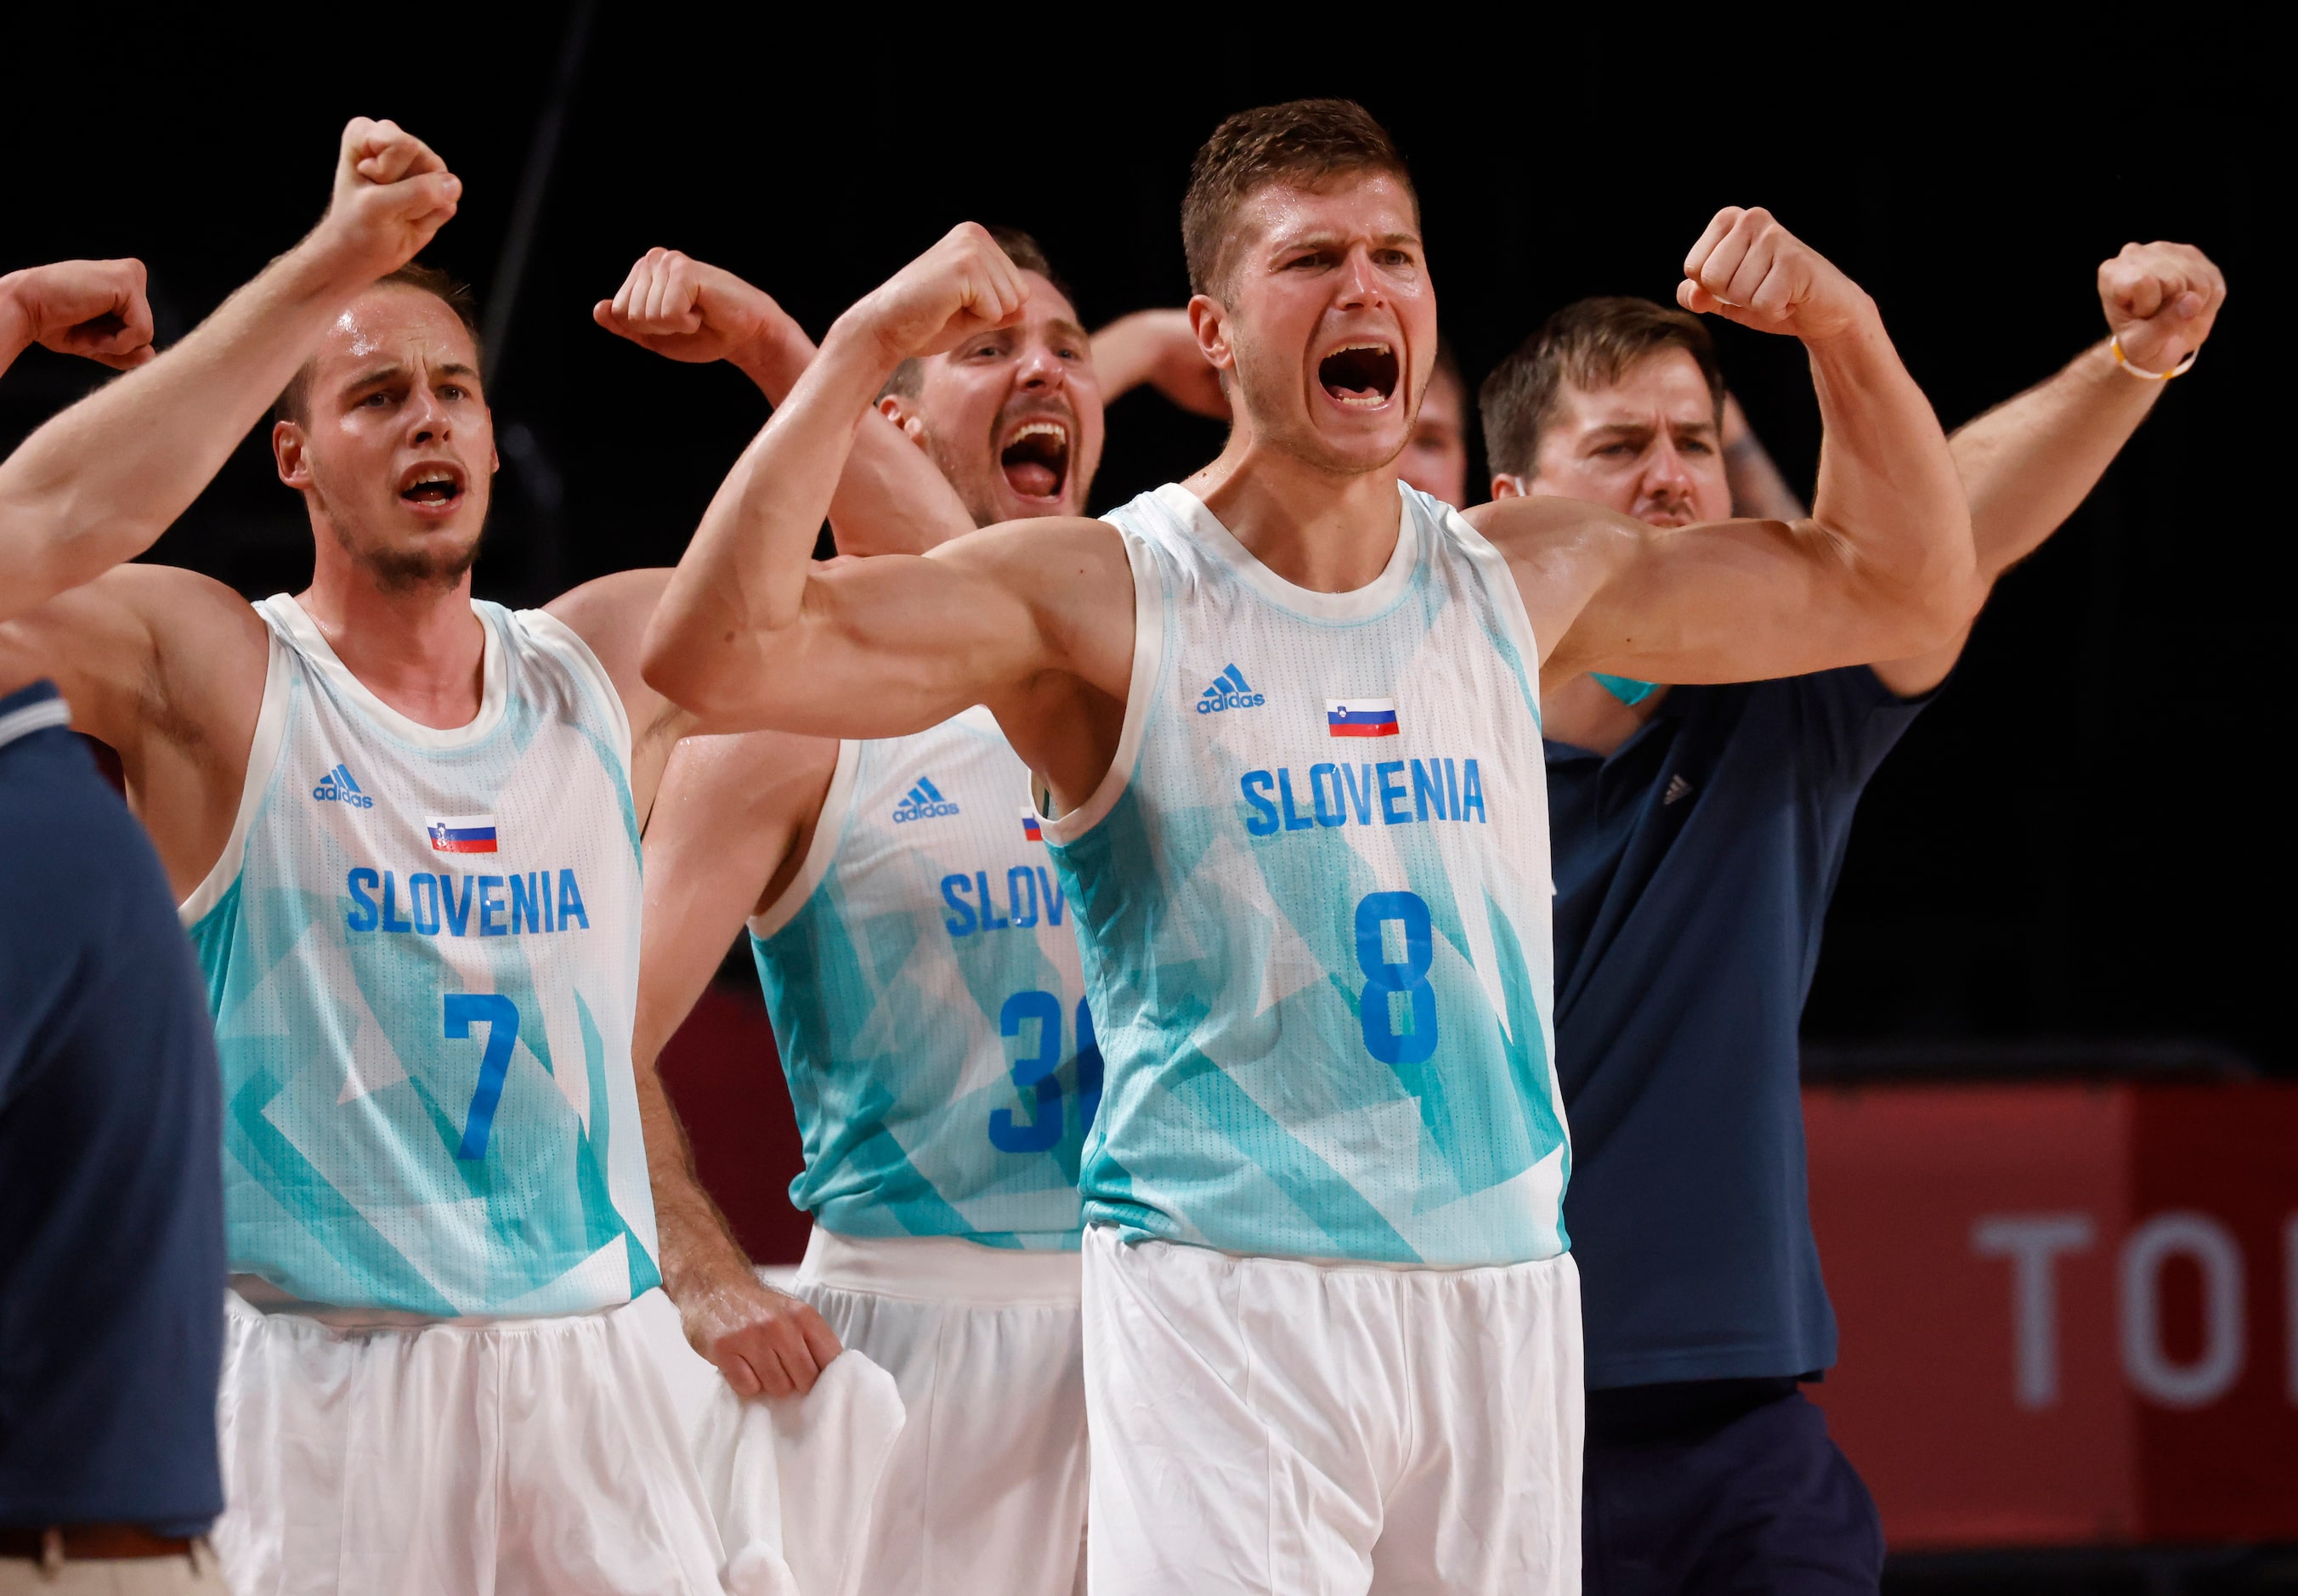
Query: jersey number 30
x=1386 y=979
x=1034 y=1075
x=499 y=1015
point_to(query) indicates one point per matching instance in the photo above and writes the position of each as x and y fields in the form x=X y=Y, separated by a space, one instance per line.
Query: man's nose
x=1665 y=473
x=1041 y=370
x=1360 y=285
x=425 y=415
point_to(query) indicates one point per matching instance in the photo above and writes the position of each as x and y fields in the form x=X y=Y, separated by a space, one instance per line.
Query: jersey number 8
x=1386 y=979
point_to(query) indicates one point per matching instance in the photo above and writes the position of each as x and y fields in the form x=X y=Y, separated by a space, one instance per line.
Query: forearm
x=2028 y=462
x=1888 y=494
x=697 y=1245
x=98 y=483
x=745 y=573
x=890 y=499
x=1125 y=354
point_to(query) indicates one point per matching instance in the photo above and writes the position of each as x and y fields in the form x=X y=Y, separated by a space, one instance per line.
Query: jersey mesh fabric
x=929 y=1005
x=1313 y=903
x=424 y=1027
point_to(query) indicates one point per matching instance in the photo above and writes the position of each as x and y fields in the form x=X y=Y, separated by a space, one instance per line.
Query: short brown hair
x=294 y=400
x=1590 y=344
x=1303 y=143
x=909 y=378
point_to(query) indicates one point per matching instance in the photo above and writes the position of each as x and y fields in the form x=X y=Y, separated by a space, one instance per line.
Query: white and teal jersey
x=1314 y=906
x=421 y=950
x=923 y=976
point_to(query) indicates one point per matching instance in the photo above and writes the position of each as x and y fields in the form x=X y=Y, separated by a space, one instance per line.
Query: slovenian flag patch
x=461 y=833
x=1361 y=718
x=1029 y=828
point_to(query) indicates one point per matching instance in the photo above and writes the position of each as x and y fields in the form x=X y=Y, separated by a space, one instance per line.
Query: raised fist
x=1747 y=268
x=681 y=307
x=91 y=308
x=2161 y=300
x=392 y=195
x=963 y=286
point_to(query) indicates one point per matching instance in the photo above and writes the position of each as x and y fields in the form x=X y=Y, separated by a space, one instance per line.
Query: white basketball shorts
x=542 y=1457
x=1271 y=1426
x=986 y=1492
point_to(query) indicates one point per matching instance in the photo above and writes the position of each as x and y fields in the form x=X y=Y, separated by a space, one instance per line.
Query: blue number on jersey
x=499 y=1015
x=1384 y=979
x=1035 y=1073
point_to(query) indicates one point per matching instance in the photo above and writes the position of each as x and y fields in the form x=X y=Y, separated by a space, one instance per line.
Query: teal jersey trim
x=1627 y=689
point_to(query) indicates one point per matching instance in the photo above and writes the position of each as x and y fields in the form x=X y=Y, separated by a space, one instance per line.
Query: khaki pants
x=116 y=1576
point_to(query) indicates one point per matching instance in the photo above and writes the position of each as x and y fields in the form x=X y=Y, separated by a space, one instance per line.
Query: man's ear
x=1505 y=486
x=1209 y=320
x=902 y=411
x=287 y=454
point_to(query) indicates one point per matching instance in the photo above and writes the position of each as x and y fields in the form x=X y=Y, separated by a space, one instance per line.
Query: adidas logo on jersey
x=336 y=787
x=1229 y=691
x=923 y=801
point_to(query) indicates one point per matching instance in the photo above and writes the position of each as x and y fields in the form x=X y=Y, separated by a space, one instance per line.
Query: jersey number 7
x=499 y=1015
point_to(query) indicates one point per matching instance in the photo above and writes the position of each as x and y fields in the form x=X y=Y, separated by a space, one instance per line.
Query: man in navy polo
x=1697 y=833
x=111 y=1256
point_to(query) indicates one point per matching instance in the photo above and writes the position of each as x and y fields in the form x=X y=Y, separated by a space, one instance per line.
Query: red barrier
x=2070 y=1313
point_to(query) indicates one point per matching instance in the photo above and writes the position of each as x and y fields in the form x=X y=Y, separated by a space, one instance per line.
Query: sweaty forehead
x=1357 y=204
x=1667 y=385
x=391 y=322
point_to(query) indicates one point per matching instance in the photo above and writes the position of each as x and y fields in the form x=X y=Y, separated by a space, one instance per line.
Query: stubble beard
x=399 y=572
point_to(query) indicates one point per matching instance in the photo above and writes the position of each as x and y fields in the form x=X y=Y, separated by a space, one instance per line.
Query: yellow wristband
x=2123 y=360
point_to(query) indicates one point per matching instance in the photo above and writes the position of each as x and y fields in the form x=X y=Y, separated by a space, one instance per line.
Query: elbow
x=683 y=668
x=1931 y=613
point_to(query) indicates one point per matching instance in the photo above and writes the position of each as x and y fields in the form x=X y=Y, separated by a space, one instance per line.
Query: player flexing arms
x=920 y=965
x=404 y=827
x=1697 y=833
x=1314 y=923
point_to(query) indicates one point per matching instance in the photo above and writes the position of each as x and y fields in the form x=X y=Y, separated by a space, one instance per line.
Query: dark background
x=2084 y=839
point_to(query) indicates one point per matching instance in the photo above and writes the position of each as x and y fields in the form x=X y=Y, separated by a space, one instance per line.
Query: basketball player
x=1698 y=832
x=1331 y=1328
x=920 y=965
x=404 y=827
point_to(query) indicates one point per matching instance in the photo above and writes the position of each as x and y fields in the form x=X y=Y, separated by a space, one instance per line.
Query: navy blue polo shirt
x=112 y=1255
x=1693 y=869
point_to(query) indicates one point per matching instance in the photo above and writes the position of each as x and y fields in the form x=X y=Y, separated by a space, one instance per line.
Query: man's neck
x=422 y=650
x=1315 y=528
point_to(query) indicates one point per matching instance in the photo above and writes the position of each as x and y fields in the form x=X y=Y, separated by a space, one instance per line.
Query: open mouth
x=431 y=487
x=1036 y=458
x=1360 y=374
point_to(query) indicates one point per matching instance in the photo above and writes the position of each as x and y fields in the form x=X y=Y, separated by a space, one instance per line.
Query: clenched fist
x=765 y=1341
x=963 y=286
x=96 y=309
x=682 y=308
x=1747 y=268
x=392 y=193
x=2160 y=300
